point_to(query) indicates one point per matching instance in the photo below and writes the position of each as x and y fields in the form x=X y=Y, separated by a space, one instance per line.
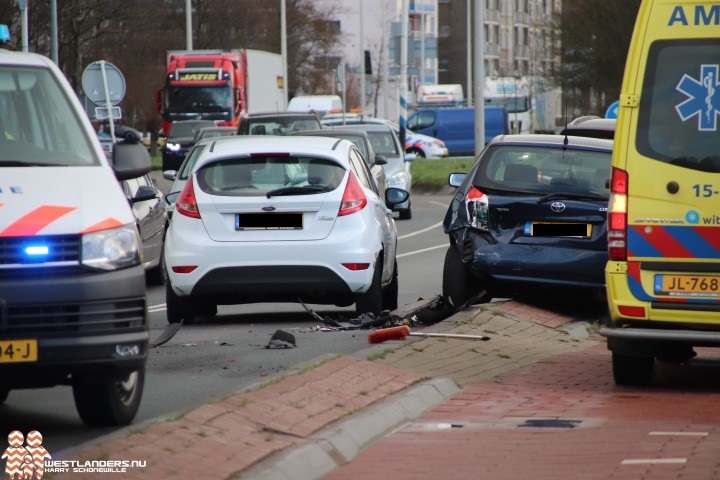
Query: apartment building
x=520 y=38
x=374 y=25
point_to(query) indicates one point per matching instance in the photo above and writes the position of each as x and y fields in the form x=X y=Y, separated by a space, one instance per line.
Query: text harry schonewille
x=92 y=466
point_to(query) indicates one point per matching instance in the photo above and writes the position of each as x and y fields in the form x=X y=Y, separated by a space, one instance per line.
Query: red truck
x=220 y=85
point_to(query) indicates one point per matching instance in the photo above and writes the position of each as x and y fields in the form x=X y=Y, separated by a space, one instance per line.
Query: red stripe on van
x=666 y=244
x=106 y=224
x=35 y=221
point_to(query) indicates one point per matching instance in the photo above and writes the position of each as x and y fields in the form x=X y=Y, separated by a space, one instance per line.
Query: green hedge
x=433 y=172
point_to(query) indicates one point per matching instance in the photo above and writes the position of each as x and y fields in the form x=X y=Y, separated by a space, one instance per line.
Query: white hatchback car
x=281 y=219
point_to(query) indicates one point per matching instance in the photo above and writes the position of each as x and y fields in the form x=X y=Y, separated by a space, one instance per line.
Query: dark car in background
x=179 y=140
x=361 y=140
x=213 y=132
x=531 y=213
x=277 y=123
x=591 y=126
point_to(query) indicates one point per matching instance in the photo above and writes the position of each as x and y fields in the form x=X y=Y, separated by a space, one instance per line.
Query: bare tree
x=135 y=35
x=595 y=36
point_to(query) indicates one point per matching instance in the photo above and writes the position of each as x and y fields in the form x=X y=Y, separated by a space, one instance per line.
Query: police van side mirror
x=130 y=160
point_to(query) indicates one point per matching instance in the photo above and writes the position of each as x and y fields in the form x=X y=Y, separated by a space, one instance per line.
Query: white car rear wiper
x=295 y=190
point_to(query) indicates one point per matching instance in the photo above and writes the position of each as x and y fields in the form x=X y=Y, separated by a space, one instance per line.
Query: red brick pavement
x=516 y=425
x=219 y=439
x=620 y=431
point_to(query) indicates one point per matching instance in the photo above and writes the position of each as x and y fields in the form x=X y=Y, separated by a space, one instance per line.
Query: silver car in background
x=397 y=169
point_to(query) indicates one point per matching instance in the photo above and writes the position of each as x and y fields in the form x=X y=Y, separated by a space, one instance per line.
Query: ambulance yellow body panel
x=72 y=285
x=663 y=274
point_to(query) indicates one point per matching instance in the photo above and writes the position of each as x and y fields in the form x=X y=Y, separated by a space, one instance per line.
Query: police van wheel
x=630 y=370
x=109 y=403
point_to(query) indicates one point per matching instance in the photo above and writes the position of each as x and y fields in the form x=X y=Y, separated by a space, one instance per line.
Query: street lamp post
x=283 y=50
x=479 y=69
x=403 y=68
x=188 y=25
x=362 y=62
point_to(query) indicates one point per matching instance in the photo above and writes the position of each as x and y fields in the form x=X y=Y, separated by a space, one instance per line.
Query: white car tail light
x=353 y=199
x=186 y=204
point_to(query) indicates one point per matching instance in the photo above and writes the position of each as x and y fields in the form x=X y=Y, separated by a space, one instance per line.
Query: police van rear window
x=680 y=104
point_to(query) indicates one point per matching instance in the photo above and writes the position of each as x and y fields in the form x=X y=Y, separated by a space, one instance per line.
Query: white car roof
x=271 y=144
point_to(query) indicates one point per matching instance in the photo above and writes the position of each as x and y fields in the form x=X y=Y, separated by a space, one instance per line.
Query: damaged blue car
x=531 y=213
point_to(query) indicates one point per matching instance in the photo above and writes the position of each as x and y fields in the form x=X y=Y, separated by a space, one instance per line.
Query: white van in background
x=440 y=94
x=320 y=104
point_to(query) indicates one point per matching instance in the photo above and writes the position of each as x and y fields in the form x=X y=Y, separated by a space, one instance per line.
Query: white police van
x=72 y=285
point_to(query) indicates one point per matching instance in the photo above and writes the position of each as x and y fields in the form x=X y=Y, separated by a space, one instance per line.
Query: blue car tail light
x=476 y=205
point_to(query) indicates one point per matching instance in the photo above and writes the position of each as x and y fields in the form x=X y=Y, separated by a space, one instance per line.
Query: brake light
x=184 y=268
x=476 y=205
x=353 y=199
x=186 y=203
x=356 y=266
x=631 y=311
x=617 y=216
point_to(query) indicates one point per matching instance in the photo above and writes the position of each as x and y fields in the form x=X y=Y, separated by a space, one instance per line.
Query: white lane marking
x=157 y=308
x=421 y=250
x=652 y=461
x=438 y=203
x=420 y=231
x=682 y=434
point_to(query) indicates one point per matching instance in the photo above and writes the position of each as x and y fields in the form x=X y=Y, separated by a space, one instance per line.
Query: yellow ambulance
x=663 y=273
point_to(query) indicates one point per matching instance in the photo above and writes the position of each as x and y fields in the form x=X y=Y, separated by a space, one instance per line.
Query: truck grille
x=61 y=248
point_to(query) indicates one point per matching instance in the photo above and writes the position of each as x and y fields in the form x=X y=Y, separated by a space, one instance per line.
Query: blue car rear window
x=535 y=169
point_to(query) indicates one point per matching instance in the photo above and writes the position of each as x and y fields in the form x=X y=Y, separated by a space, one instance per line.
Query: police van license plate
x=692 y=285
x=15 y=351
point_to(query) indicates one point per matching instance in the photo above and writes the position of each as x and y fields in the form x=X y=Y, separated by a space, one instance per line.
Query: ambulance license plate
x=15 y=351
x=690 y=285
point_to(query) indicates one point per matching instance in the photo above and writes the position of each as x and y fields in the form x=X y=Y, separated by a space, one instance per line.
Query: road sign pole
x=108 y=104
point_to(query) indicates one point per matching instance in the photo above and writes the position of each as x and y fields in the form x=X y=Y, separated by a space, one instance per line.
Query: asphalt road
x=212 y=358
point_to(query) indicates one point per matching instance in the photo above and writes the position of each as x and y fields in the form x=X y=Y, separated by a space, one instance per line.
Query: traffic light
x=368 y=63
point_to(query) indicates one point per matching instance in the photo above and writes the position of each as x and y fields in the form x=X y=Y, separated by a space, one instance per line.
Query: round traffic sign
x=612 y=111
x=102 y=82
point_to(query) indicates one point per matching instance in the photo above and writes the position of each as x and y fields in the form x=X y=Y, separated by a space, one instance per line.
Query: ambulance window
x=679 y=113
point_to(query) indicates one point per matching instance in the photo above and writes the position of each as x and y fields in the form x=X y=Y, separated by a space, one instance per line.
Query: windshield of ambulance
x=38 y=126
x=679 y=112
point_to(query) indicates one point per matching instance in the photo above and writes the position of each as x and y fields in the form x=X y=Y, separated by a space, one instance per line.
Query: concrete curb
x=341 y=442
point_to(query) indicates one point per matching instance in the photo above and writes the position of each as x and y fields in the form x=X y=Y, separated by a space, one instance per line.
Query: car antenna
x=565 y=140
